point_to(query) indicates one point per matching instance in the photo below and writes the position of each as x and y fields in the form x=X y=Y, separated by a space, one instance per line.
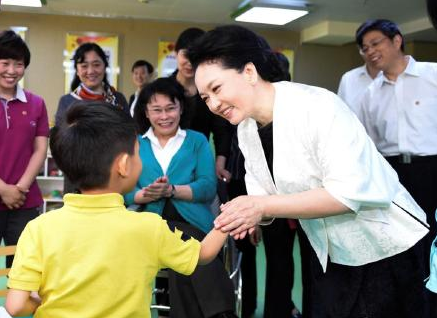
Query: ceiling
x=330 y=21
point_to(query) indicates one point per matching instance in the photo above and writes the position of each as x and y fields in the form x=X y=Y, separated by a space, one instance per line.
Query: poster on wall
x=21 y=31
x=109 y=44
x=290 y=56
x=166 y=58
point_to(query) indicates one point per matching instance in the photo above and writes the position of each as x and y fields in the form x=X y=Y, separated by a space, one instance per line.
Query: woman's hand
x=12 y=196
x=240 y=215
x=220 y=169
x=160 y=188
x=256 y=236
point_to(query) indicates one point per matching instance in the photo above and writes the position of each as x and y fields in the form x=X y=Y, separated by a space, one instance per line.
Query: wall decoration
x=166 y=58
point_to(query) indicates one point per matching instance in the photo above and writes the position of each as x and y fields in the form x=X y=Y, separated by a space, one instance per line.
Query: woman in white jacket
x=308 y=157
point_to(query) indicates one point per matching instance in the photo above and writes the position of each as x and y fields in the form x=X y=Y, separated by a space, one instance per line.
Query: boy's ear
x=122 y=164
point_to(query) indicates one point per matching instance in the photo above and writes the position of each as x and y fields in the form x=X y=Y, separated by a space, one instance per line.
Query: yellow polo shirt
x=93 y=258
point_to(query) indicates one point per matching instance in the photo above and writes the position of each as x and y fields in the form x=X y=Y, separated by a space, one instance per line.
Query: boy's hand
x=12 y=196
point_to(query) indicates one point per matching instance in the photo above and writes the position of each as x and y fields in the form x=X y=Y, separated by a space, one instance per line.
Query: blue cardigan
x=193 y=165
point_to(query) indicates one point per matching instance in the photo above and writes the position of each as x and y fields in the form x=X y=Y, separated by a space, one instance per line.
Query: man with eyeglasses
x=354 y=83
x=399 y=112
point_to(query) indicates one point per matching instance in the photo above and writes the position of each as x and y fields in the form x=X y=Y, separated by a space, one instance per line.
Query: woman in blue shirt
x=178 y=182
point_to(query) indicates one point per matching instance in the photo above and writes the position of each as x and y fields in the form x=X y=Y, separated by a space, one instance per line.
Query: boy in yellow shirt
x=92 y=257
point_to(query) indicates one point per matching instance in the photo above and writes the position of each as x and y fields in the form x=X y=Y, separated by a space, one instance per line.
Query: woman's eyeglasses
x=159 y=111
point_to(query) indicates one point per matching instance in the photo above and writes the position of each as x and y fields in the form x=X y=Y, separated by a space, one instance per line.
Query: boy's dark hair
x=165 y=86
x=85 y=144
x=187 y=37
x=233 y=47
x=79 y=57
x=143 y=63
x=13 y=47
x=386 y=27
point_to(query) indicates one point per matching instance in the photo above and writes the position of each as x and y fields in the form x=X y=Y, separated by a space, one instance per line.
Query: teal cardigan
x=193 y=165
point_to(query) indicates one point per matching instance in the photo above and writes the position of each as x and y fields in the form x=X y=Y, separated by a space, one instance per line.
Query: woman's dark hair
x=87 y=141
x=13 y=47
x=233 y=47
x=432 y=12
x=285 y=65
x=187 y=37
x=79 y=57
x=165 y=86
x=143 y=63
x=386 y=27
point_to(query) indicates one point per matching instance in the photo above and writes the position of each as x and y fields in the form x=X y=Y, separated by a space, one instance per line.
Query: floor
x=260 y=259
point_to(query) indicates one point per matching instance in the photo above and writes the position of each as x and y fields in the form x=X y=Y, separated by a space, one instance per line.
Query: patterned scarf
x=84 y=93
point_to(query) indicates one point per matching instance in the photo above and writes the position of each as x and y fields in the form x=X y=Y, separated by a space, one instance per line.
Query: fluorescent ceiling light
x=23 y=3
x=278 y=12
x=265 y=15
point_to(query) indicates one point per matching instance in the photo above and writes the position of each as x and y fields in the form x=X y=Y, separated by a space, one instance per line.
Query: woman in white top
x=308 y=157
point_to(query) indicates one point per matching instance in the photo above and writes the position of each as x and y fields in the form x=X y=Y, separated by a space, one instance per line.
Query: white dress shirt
x=134 y=103
x=319 y=143
x=401 y=116
x=164 y=154
x=352 y=86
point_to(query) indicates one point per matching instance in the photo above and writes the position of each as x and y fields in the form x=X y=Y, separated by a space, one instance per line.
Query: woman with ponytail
x=308 y=157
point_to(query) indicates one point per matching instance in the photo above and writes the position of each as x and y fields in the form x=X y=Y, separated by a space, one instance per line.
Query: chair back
x=5 y=251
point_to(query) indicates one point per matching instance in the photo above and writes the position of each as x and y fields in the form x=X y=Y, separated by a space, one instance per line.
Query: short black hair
x=167 y=86
x=13 y=47
x=386 y=27
x=187 y=37
x=79 y=57
x=234 y=46
x=143 y=63
x=87 y=141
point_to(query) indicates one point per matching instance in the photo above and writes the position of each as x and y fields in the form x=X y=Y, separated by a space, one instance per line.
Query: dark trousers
x=420 y=179
x=278 y=240
x=205 y=293
x=12 y=223
x=248 y=261
x=392 y=287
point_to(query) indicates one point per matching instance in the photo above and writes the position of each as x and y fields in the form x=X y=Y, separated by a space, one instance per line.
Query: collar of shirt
x=19 y=94
x=93 y=203
x=154 y=140
x=411 y=70
x=363 y=71
x=165 y=154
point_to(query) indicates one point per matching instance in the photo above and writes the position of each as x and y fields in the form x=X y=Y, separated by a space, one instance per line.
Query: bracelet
x=173 y=191
x=265 y=222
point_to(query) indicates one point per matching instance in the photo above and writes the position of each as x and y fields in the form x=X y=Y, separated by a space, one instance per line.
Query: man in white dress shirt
x=399 y=112
x=354 y=83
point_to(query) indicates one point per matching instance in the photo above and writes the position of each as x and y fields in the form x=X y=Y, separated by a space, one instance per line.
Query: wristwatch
x=173 y=191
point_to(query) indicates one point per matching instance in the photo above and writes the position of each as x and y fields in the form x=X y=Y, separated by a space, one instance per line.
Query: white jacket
x=319 y=143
